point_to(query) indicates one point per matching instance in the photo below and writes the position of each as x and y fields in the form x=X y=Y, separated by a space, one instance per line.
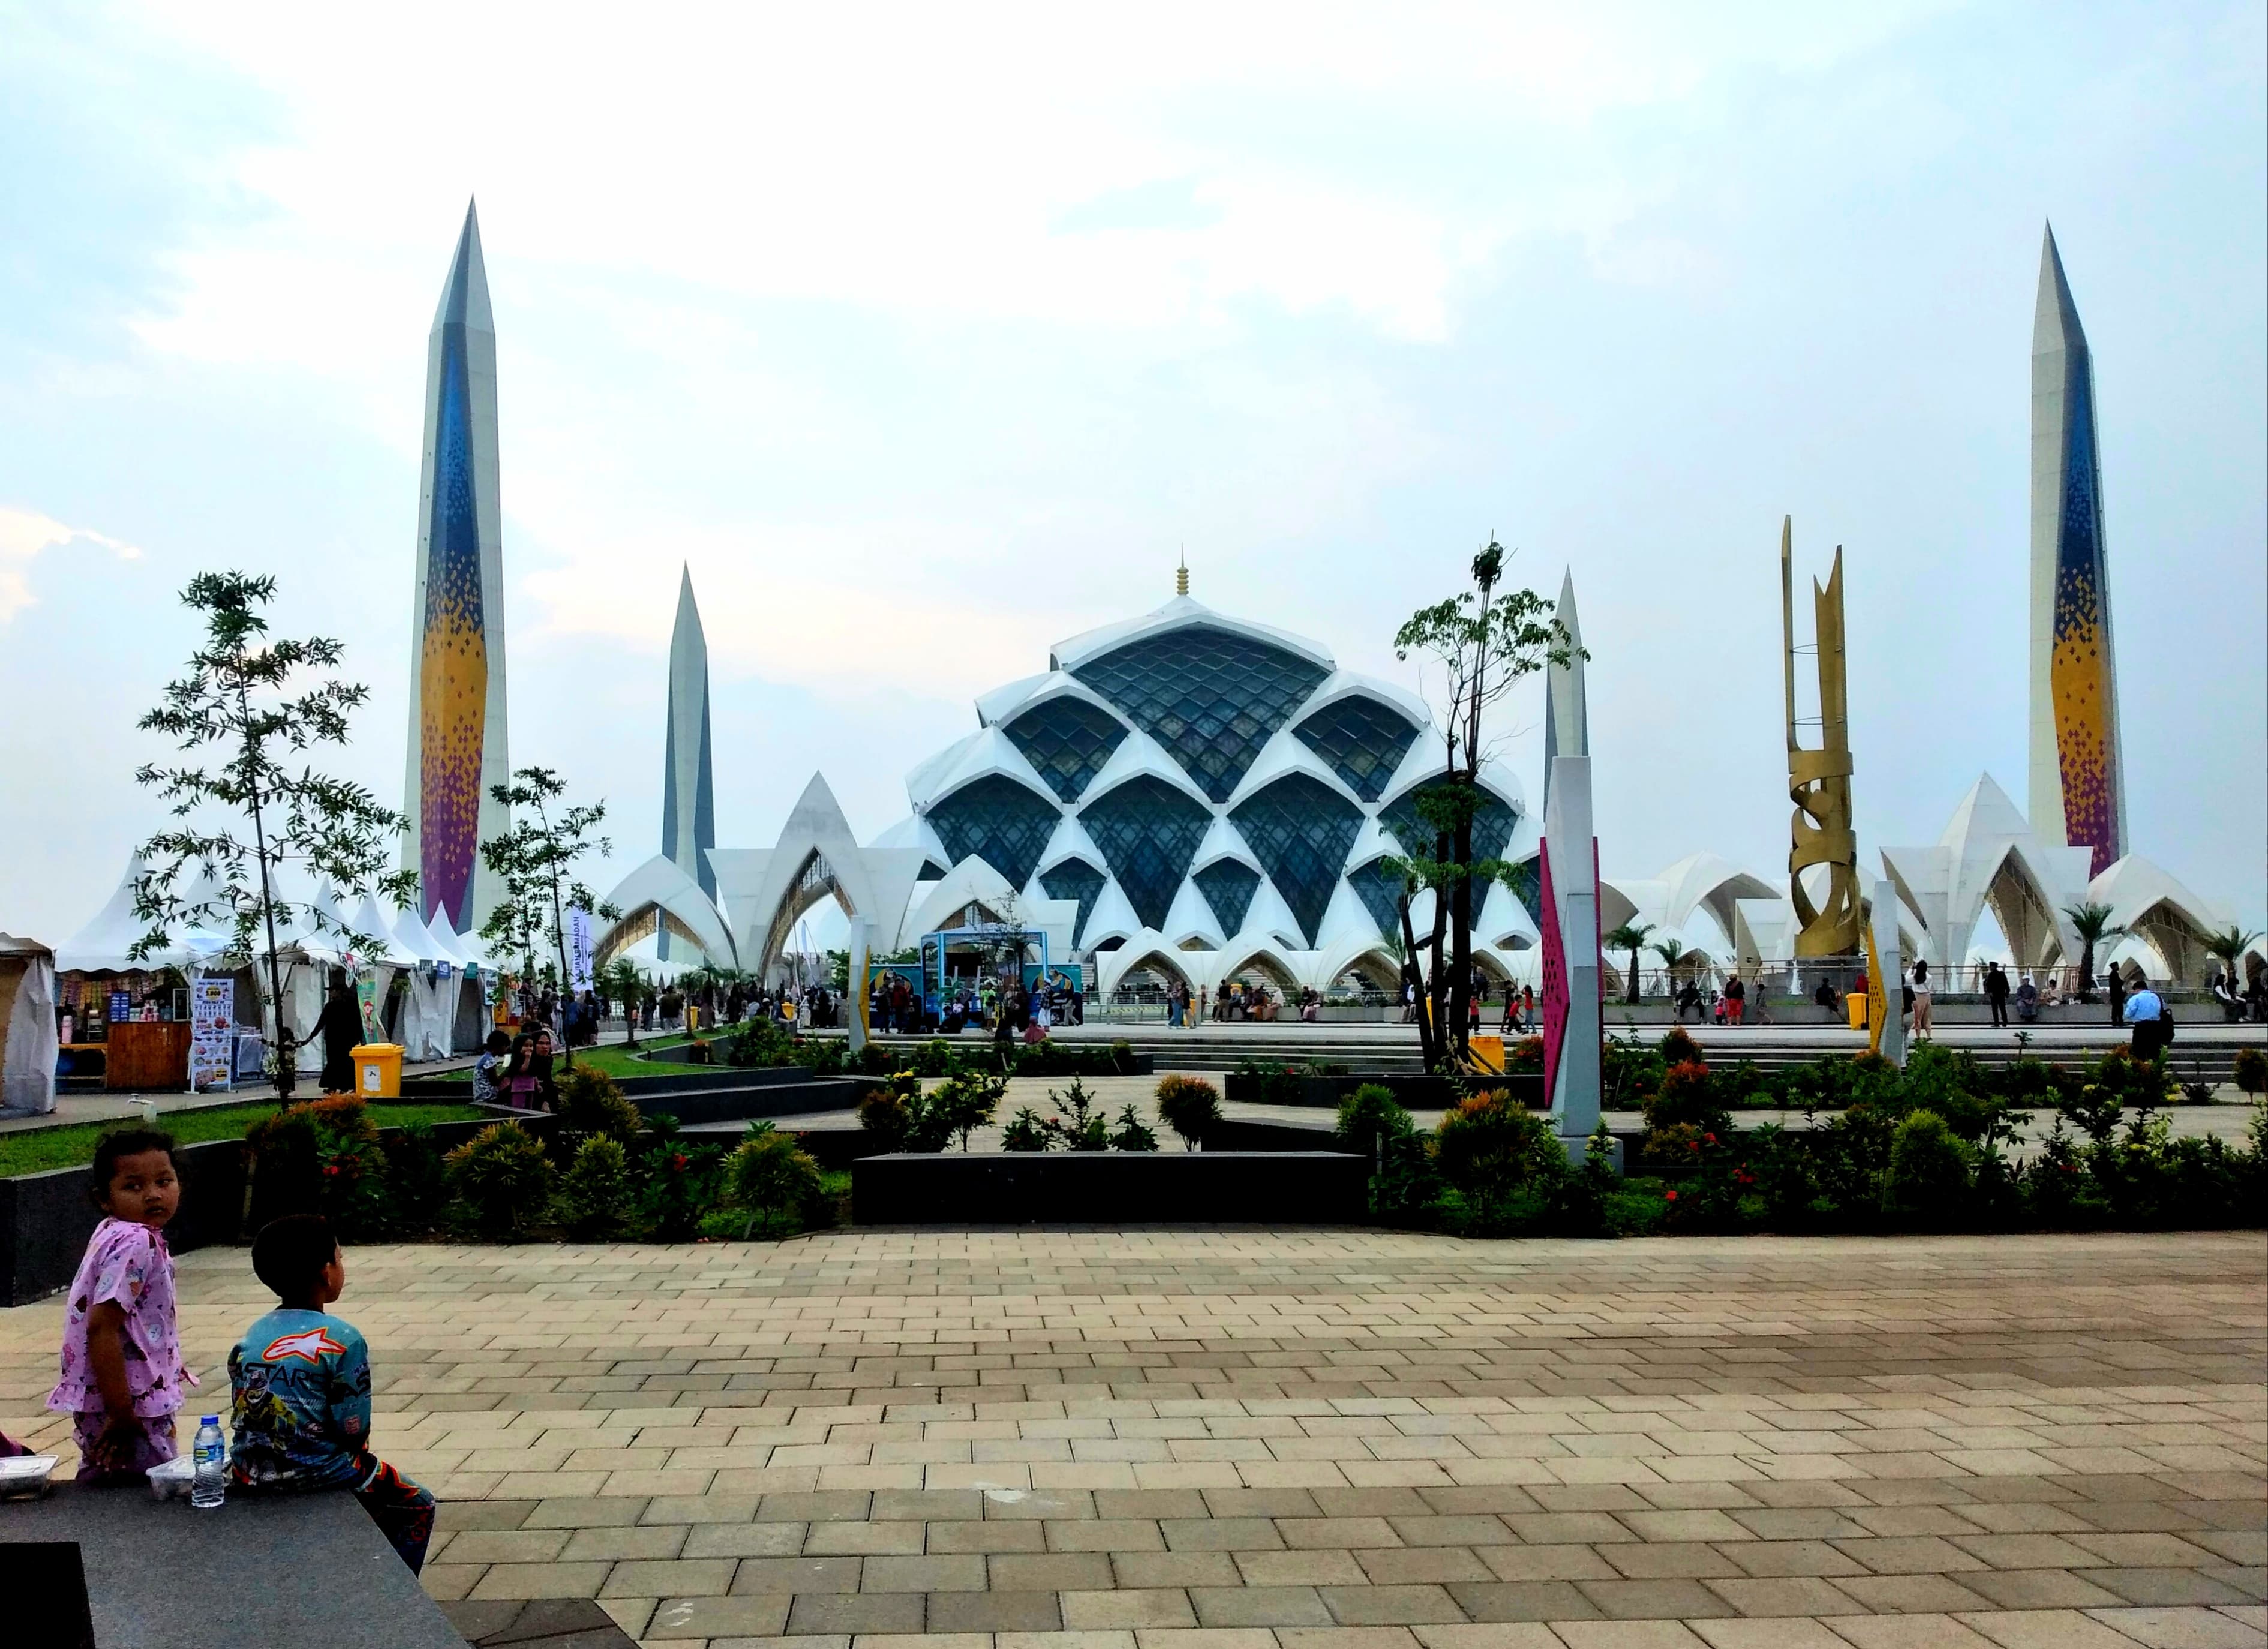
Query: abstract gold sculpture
x=1819 y=781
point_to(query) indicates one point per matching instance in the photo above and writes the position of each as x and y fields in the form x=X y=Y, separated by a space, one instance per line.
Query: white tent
x=27 y=1025
x=101 y=946
x=428 y=1013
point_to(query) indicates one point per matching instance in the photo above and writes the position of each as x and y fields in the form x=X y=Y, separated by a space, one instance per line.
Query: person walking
x=1925 y=1017
x=1736 y=998
x=2146 y=1011
x=339 y=1027
x=1996 y=994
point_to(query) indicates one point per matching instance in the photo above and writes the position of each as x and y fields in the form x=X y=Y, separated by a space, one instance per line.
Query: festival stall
x=27 y=1025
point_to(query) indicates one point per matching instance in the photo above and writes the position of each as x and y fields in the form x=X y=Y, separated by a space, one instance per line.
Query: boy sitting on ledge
x=299 y=1384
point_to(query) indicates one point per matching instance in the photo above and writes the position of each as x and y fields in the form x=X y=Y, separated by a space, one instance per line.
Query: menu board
x=121 y=1007
x=212 y=1033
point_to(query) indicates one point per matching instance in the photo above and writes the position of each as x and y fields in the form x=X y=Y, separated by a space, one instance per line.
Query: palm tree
x=2229 y=945
x=2093 y=923
x=1631 y=936
x=621 y=980
x=1671 y=953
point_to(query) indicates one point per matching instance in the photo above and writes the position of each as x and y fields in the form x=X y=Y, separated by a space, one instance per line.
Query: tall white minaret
x=457 y=744
x=688 y=815
x=1566 y=717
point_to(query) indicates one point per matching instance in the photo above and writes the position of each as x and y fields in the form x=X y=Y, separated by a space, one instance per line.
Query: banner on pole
x=213 y=1034
x=578 y=950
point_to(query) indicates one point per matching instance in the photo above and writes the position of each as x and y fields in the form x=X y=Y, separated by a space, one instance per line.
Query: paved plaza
x=1330 y=1439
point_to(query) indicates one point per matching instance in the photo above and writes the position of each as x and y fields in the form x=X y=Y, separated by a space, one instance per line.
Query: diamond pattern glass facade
x=1067 y=740
x=1004 y=823
x=1228 y=887
x=1362 y=740
x=1525 y=884
x=1300 y=830
x=1492 y=823
x=1380 y=892
x=1210 y=697
x=1073 y=879
x=1148 y=831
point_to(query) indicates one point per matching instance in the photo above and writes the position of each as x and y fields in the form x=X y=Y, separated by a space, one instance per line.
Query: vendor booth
x=27 y=1025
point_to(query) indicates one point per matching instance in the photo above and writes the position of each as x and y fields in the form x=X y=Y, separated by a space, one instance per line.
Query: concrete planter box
x=1111 y=1187
x=667 y=1082
x=1413 y=1093
x=45 y=1219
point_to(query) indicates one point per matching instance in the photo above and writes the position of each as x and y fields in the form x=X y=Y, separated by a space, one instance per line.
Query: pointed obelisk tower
x=1566 y=717
x=456 y=658
x=689 y=808
x=2078 y=779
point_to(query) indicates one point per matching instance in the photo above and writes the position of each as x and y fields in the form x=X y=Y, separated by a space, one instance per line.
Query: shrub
x=1188 y=1106
x=886 y=1116
x=1489 y=1146
x=1025 y=1131
x=1368 y=1114
x=770 y=1177
x=1132 y=1133
x=1679 y=1049
x=595 y=1195
x=322 y=1158
x=1524 y=1058
x=962 y=1103
x=1928 y=1177
x=677 y=1185
x=592 y=1103
x=499 y=1181
x=764 y=1044
x=2252 y=1070
x=416 y=1186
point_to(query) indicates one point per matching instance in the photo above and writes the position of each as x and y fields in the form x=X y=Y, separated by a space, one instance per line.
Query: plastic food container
x=174 y=1478
x=22 y=1474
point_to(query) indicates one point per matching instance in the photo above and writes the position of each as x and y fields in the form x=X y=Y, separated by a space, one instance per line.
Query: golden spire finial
x=1182 y=575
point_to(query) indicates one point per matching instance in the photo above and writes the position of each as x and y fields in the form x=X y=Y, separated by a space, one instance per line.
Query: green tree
x=2092 y=923
x=242 y=818
x=1486 y=642
x=621 y=982
x=1629 y=936
x=2229 y=945
x=535 y=861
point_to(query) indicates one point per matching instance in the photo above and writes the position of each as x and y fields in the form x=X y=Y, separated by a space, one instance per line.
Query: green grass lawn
x=615 y=1060
x=30 y=1151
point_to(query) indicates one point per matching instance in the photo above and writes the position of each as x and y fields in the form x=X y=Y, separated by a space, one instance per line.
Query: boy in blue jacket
x=299 y=1386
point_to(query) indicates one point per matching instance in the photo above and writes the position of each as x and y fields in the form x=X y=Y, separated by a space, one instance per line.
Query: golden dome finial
x=1182 y=575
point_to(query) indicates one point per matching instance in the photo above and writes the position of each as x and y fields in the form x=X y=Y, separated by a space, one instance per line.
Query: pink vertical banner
x=1555 y=979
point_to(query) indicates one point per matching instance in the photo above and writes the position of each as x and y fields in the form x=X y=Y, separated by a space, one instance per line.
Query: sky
x=927 y=337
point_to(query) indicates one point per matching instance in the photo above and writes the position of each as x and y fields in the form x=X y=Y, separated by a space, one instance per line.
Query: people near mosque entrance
x=2027 y=1000
x=2153 y=1026
x=1689 y=1001
x=1905 y=996
x=2255 y=995
x=1827 y=996
x=1925 y=1018
x=340 y=1025
x=1736 y=999
x=1996 y=994
x=2118 y=984
x=2052 y=993
x=1528 y=1009
x=122 y=1373
x=547 y=1084
x=2224 y=992
x=673 y=1006
x=488 y=1070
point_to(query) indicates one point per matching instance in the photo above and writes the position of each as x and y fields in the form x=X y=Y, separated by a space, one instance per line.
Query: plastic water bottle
x=209 y=1487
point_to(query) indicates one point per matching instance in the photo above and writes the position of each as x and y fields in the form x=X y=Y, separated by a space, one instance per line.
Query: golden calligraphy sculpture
x=1819 y=781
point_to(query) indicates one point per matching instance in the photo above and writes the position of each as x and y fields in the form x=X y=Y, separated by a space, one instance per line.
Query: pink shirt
x=127 y=1263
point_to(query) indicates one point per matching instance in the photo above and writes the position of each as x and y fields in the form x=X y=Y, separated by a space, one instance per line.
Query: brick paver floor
x=1236 y=1440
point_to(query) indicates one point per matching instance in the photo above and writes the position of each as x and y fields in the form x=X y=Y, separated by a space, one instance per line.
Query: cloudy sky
x=927 y=337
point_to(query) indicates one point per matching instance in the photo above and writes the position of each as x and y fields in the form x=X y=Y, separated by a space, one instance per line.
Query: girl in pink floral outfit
x=121 y=1359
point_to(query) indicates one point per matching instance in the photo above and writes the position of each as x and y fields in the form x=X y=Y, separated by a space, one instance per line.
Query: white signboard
x=212 y=1033
x=578 y=950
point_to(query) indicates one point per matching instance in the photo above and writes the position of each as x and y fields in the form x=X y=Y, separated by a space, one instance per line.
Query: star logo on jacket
x=309 y=1345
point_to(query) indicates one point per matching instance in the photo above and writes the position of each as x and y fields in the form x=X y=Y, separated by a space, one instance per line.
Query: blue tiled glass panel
x=1493 y=824
x=1003 y=822
x=1073 y=879
x=1228 y=887
x=1362 y=740
x=1148 y=831
x=1301 y=828
x=931 y=870
x=1380 y=892
x=1209 y=696
x=1067 y=740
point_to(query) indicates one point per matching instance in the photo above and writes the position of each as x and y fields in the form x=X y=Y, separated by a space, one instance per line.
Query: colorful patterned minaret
x=456 y=661
x=2077 y=782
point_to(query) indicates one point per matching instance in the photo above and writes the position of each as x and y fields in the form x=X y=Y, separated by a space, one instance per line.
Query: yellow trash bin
x=377 y=1070
x=1855 y=1005
x=692 y=1018
x=1488 y=1053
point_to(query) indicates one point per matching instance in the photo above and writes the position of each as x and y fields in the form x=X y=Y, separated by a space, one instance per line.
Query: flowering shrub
x=499 y=1181
x=1188 y=1106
